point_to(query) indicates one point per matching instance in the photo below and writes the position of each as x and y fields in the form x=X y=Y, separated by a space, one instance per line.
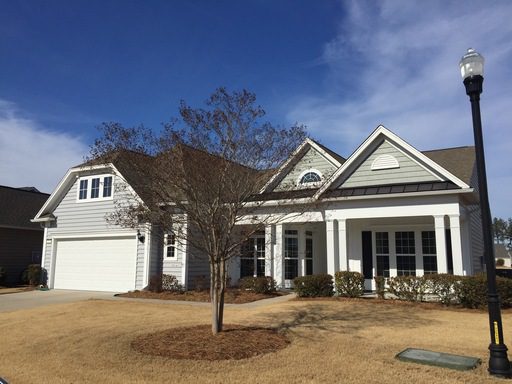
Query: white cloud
x=31 y=155
x=396 y=63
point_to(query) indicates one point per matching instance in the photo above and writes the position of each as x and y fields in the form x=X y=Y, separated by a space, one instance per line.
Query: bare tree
x=198 y=176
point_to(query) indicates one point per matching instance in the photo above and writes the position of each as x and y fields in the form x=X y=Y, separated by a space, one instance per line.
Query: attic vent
x=384 y=162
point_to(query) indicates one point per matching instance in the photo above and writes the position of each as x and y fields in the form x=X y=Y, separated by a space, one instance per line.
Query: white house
x=388 y=209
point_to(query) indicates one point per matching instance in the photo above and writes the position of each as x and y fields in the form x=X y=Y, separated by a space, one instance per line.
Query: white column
x=456 y=245
x=467 y=263
x=278 y=256
x=442 y=264
x=342 y=242
x=332 y=251
x=302 y=250
x=269 y=242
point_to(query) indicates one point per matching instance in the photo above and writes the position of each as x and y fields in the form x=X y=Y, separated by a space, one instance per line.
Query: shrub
x=34 y=275
x=155 y=283
x=349 y=284
x=313 y=285
x=472 y=291
x=260 y=284
x=444 y=286
x=409 y=288
x=201 y=283
x=500 y=262
x=505 y=291
x=380 y=284
x=170 y=283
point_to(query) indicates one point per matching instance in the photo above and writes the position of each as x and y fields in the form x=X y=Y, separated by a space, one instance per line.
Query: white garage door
x=104 y=264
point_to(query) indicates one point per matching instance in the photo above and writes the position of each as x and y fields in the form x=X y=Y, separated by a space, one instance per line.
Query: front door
x=367 y=259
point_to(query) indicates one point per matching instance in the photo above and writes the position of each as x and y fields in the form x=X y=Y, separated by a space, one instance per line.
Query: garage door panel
x=106 y=264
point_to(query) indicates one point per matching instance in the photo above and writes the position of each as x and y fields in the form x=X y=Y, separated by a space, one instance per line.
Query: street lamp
x=472 y=70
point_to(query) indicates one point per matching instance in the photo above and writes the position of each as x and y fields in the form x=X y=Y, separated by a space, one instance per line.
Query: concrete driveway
x=23 y=300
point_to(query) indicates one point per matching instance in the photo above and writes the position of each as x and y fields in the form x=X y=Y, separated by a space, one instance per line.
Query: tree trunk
x=217 y=291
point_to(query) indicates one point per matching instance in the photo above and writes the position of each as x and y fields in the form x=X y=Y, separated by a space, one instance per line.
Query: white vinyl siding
x=311 y=160
x=408 y=171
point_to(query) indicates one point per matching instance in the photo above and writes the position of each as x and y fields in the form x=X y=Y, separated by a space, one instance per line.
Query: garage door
x=105 y=264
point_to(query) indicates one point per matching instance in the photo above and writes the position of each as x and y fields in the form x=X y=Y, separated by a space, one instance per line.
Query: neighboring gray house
x=501 y=252
x=388 y=209
x=21 y=239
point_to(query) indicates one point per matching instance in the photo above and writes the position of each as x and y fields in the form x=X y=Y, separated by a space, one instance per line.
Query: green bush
x=505 y=291
x=260 y=284
x=170 y=283
x=34 y=275
x=500 y=263
x=155 y=283
x=409 y=288
x=380 y=284
x=472 y=291
x=444 y=286
x=349 y=284
x=313 y=285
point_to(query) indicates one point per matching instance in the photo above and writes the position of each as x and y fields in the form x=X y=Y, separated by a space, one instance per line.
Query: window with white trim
x=291 y=254
x=405 y=253
x=170 y=250
x=382 y=253
x=252 y=257
x=428 y=247
x=95 y=187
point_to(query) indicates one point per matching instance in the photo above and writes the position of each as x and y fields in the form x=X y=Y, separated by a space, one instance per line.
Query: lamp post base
x=498 y=361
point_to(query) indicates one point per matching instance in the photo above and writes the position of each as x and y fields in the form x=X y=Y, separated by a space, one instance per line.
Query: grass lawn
x=331 y=341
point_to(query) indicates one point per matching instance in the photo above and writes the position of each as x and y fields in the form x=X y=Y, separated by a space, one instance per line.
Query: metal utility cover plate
x=439 y=359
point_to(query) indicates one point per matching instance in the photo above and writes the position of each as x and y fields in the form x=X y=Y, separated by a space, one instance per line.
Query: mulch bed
x=232 y=296
x=235 y=342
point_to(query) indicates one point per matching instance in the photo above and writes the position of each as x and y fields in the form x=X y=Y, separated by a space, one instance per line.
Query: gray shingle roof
x=460 y=161
x=19 y=205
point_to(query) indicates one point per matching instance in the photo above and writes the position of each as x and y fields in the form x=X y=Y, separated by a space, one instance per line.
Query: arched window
x=310 y=177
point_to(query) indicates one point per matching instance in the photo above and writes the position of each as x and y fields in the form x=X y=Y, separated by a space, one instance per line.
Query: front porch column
x=456 y=245
x=301 y=251
x=332 y=246
x=342 y=242
x=442 y=263
x=278 y=256
x=269 y=245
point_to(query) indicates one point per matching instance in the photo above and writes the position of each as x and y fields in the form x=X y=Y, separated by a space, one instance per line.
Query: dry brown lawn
x=331 y=341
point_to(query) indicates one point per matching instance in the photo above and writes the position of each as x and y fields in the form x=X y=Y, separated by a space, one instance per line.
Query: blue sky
x=340 y=67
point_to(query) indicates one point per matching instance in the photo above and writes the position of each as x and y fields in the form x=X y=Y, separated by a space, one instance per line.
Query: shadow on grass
x=347 y=317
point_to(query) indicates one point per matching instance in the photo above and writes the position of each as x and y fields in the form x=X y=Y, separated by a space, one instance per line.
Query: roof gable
x=382 y=151
x=309 y=156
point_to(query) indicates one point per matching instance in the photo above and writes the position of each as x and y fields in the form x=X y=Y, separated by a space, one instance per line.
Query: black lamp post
x=472 y=69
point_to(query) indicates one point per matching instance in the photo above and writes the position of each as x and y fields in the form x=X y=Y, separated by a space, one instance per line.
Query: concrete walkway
x=32 y=299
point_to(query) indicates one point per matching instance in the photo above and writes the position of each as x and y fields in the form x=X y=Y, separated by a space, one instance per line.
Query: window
x=405 y=253
x=428 y=246
x=97 y=187
x=309 y=253
x=252 y=258
x=170 y=245
x=107 y=186
x=382 y=253
x=82 y=193
x=310 y=177
x=291 y=254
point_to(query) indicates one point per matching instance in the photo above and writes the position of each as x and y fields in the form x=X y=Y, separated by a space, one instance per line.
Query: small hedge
x=349 y=284
x=313 y=285
x=170 y=283
x=260 y=284
x=34 y=275
x=380 y=284
x=467 y=291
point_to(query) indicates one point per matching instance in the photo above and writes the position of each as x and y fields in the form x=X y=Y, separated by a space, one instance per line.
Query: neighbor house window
x=252 y=258
x=291 y=254
x=170 y=245
x=428 y=246
x=405 y=254
x=382 y=253
x=309 y=253
x=96 y=187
